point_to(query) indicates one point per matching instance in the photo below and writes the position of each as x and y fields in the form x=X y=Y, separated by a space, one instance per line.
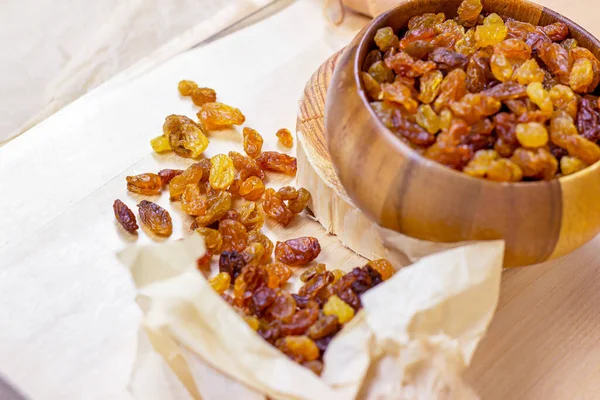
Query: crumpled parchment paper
x=413 y=339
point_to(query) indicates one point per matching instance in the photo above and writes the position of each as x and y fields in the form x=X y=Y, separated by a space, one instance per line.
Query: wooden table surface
x=68 y=320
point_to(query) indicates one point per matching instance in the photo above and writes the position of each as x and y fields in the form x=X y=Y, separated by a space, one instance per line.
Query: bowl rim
x=365 y=45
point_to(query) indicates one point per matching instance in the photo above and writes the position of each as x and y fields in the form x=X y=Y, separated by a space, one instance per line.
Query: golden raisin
x=570 y=165
x=160 y=144
x=212 y=239
x=468 y=12
x=186 y=87
x=220 y=282
x=384 y=267
x=253 y=142
x=146 y=184
x=202 y=96
x=215 y=116
x=186 y=138
x=298 y=348
x=125 y=216
x=234 y=234
x=532 y=134
x=191 y=176
x=192 y=201
x=540 y=97
x=336 y=306
x=155 y=218
x=279 y=274
x=222 y=172
x=285 y=137
x=300 y=202
x=529 y=72
x=166 y=175
x=252 y=215
x=252 y=322
x=492 y=32
x=582 y=75
x=385 y=38
x=337 y=274
x=259 y=237
x=428 y=119
x=430 y=86
x=252 y=188
x=253 y=253
x=217 y=208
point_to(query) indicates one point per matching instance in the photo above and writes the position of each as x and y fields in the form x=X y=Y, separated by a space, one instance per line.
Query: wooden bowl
x=403 y=191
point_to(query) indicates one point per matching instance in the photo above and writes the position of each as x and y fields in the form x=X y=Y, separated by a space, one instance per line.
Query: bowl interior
x=398 y=18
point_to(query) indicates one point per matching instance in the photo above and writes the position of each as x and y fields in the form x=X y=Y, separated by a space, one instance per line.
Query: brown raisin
x=155 y=218
x=146 y=184
x=278 y=162
x=297 y=252
x=125 y=216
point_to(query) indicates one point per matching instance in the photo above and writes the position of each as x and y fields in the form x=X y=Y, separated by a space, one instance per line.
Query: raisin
x=275 y=208
x=447 y=150
x=427 y=20
x=252 y=215
x=506 y=91
x=215 y=116
x=301 y=320
x=252 y=322
x=298 y=204
x=166 y=175
x=518 y=29
x=297 y=252
x=203 y=95
x=325 y=326
x=288 y=193
x=212 y=239
x=186 y=88
x=222 y=172
x=235 y=235
x=446 y=119
x=430 y=86
x=569 y=44
x=283 y=307
x=278 y=162
x=540 y=97
x=255 y=236
x=155 y=218
x=221 y=282
x=372 y=57
x=535 y=163
x=125 y=216
x=186 y=138
x=386 y=39
x=487 y=164
x=147 y=184
x=404 y=65
x=588 y=119
x=467 y=45
x=372 y=88
x=160 y=144
x=468 y=12
x=479 y=73
x=557 y=60
x=231 y=262
x=271 y=332
x=492 y=32
x=384 y=267
x=428 y=119
x=532 y=134
x=564 y=99
x=453 y=88
x=311 y=272
x=401 y=94
x=279 y=274
x=571 y=165
x=582 y=75
x=285 y=136
x=581 y=52
x=315 y=284
x=529 y=72
x=299 y=348
x=203 y=264
x=447 y=59
x=261 y=300
x=217 y=208
x=252 y=188
x=192 y=201
x=474 y=107
x=501 y=67
x=246 y=166
x=253 y=254
x=253 y=142
x=336 y=306
x=449 y=33
x=191 y=176
x=536 y=39
x=557 y=31
x=381 y=72
x=563 y=133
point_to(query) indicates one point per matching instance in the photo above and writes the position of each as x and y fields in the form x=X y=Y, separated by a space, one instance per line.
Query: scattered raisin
x=125 y=216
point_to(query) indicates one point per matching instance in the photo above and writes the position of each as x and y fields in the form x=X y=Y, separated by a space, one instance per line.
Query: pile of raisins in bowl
x=229 y=201
x=493 y=97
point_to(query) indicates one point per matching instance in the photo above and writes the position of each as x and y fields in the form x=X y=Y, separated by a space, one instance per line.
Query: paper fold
x=413 y=339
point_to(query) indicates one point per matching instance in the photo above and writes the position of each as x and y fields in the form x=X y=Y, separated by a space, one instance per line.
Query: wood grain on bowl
x=405 y=192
